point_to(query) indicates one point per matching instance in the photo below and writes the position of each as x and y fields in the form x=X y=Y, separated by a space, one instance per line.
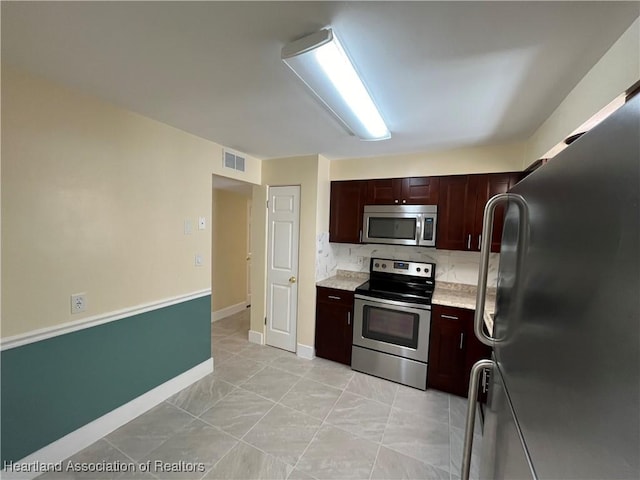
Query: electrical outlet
x=78 y=302
x=202 y=223
x=198 y=260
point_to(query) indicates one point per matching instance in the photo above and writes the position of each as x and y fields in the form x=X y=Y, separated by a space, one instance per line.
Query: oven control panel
x=401 y=267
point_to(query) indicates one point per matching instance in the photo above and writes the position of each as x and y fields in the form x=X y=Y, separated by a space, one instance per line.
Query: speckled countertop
x=464 y=296
x=449 y=294
x=344 y=280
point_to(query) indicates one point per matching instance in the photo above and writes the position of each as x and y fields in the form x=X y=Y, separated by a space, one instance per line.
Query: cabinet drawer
x=334 y=295
x=445 y=312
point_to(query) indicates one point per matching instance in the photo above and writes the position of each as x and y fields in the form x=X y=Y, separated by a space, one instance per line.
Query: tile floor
x=267 y=414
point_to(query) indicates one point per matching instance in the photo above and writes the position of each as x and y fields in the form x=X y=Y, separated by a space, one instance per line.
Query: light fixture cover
x=322 y=64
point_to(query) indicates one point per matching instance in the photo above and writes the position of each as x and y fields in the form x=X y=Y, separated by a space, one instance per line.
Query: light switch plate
x=202 y=223
x=188 y=227
x=198 y=260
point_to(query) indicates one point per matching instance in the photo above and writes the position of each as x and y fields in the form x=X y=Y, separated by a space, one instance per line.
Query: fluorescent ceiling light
x=322 y=64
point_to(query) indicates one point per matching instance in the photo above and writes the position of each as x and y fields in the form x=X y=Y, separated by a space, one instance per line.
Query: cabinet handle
x=469 y=242
x=485 y=249
x=404 y=201
x=479 y=241
x=471 y=415
x=396 y=201
x=348 y=318
x=461 y=340
x=450 y=317
x=333 y=297
x=360 y=236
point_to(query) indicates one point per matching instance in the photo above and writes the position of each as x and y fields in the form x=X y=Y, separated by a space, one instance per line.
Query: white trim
x=256 y=337
x=228 y=311
x=95 y=320
x=93 y=431
x=306 y=351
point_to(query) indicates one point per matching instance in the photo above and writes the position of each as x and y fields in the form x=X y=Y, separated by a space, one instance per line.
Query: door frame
x=249 y=260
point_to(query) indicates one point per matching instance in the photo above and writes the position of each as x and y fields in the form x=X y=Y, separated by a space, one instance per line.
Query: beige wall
x=229 y=272
x=94 y=200
x=301 y=171
x=616 y=71
x=489 y=159
x=324 y=194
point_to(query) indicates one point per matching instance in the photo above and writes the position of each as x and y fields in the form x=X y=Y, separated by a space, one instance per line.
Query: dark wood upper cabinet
x=486 y=186
x=384 y=191
x=346 y=210
x=461 y=209
x=403 y=191
x=420 y=190
x=460 y=199
x=456 y=213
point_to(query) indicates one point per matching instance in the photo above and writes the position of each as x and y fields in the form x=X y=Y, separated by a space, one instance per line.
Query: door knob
x=292 y=280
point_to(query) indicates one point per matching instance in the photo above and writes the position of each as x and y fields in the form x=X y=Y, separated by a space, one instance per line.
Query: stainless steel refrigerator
x=564 y=396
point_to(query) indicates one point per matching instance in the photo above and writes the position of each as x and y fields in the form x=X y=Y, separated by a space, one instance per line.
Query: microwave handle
x=420 y=229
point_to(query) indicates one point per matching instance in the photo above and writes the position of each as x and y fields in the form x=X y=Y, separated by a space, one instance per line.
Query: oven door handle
x=384 y=301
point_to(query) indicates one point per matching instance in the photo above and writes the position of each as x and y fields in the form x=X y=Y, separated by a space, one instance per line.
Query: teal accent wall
x=55 y=386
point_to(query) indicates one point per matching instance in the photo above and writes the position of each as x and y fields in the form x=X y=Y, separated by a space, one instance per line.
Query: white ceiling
x=444 y=74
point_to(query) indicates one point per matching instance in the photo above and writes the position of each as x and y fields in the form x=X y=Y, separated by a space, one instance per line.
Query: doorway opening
x=230 y=247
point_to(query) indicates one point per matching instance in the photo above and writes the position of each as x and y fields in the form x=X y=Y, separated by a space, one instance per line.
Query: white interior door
x=282 y=266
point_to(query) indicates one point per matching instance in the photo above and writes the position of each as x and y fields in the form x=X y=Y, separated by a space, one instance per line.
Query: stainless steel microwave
x=400 y=224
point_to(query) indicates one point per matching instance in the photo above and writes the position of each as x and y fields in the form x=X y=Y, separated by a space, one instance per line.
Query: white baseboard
x=306 y=351
x=91 y=432
x=256 y=337
x=228 y=311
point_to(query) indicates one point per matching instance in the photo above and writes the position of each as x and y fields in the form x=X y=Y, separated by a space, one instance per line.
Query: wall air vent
x=233 y=160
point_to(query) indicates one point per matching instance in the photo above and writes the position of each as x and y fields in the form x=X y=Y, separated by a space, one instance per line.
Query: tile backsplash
x=451 y=266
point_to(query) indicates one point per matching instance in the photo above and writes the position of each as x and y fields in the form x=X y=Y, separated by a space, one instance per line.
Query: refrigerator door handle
x=472 y=399
x=485 y=250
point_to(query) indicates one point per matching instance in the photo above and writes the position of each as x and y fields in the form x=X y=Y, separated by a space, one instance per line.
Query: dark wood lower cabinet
x=334 y=324
x=453 y=349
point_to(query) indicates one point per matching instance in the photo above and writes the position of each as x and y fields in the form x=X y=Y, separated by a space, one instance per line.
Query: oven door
x=392 y=228
x=393 y=327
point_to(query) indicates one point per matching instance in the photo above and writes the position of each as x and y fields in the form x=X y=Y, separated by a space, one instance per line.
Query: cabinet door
x=475 y=351
x=420 y=191
x=456 y=211
x=384 y=191
x=346 y=211
x=486 y=186
x=447 y=349
x=334 y=325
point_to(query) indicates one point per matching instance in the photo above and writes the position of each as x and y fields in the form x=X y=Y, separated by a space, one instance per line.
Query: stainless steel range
x=392 y=317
